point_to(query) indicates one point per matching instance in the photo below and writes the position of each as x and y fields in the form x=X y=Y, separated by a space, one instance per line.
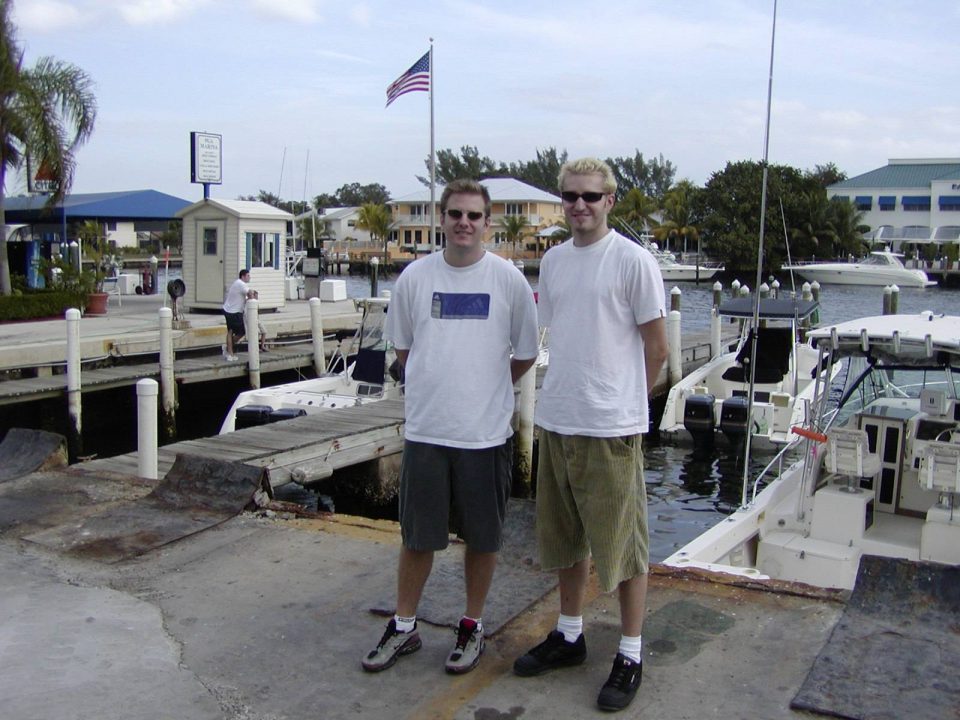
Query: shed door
x=210 y=252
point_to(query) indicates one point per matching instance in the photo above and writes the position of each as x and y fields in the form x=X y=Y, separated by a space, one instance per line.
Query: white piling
x=147 y=391
x=168 y=387
x=674 y=365
x=717 y=293
x=252 y=317
x=524 y=461
x=316 y=333
x=675 y=295
x=714 y=333
x=73 y=377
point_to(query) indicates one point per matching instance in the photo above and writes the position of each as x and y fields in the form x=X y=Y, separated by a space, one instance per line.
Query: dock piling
x=316 y=334
x=75 y=439
x=253 y=342
x=714 y=332
x=717 y=293
x=168 y=386
x=674 y=362
x=374 y=266
x=147 y=428
x=523 y=464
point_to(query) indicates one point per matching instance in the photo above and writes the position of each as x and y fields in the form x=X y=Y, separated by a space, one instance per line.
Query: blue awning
x=915 y=200
x=949 y=199
x=864 y=200
x=887 y=199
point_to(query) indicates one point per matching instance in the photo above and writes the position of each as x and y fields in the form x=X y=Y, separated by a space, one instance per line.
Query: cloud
x=296 y=10
x=152 y=12
x=46 y=16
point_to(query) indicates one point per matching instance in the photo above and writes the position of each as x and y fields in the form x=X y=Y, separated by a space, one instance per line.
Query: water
x=690 y=491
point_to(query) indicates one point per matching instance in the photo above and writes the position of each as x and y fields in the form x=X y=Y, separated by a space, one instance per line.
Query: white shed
x=221 y=237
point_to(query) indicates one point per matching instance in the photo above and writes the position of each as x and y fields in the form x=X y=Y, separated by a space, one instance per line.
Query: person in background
x=464 y=325
x=596 y=290
x=234 y=303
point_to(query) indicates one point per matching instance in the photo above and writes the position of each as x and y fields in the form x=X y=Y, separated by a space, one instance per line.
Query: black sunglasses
x=473 y=215
x=588 y=197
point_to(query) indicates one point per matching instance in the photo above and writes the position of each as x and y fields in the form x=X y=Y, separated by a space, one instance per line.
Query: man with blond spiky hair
x=597 y=290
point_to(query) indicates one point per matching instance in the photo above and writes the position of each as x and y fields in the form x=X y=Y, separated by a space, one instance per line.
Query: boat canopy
x=924 y=339
x=770 y=308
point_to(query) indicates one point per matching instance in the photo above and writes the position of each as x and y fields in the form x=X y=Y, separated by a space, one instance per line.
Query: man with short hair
x=602 y=292
x=234 y=303
x=464 y=326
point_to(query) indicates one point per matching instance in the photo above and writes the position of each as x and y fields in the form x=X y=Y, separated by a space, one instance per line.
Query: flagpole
x=433 y=163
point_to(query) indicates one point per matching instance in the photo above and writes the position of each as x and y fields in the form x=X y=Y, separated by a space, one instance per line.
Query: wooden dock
x=307 y=448
x=186 y=371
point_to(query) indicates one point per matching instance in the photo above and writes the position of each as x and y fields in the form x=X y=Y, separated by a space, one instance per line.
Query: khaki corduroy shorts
x=591 y=500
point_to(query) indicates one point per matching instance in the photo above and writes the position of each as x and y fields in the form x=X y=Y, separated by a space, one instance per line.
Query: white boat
x=364 y=373
x=878 y=474
x=670 y=269
x=713 y=398
x=880 y=267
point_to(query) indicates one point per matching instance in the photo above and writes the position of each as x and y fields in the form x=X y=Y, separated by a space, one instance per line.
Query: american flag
x=416 y=79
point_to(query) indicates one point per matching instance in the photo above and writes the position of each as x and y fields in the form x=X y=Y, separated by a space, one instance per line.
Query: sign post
x=206 y=160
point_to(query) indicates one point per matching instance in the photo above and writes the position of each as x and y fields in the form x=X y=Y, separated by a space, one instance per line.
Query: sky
x=296 y=88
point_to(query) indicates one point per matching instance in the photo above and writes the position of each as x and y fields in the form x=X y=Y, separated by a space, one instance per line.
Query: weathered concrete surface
x=267 y=618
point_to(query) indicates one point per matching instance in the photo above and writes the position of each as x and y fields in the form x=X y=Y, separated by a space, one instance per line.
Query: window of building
x=263 y=249
x=209 y=241
x=513 y=209
x=887 y=202
x=949 y=202
x=863 y=202
x=408 y=236
x=111 y=225
x=916 y=203
x=416 y=210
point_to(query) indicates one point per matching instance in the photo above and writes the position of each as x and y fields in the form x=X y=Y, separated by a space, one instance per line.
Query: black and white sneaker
x=392 y=645
x=622 y=685
x=554 y=652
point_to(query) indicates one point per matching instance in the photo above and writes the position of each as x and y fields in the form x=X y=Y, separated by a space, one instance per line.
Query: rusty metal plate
x=25 y=451
x=895 y=652
x=197 y=493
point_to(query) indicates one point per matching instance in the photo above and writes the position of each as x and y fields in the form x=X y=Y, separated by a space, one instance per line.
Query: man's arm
x=654 y=334
x=519 y=367
x=402 y=356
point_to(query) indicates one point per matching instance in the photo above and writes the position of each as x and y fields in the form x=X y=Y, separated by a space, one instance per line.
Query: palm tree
x=636 y=209
x=514 y=227
x=46 y=113
x=677 y=214
x=375 y=219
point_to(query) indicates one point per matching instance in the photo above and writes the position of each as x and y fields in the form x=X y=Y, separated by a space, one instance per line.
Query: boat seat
x=940 y=467
x=848 y=455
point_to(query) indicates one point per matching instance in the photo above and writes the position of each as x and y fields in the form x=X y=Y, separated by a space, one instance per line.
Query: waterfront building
x=410 y=229
x=909 y=204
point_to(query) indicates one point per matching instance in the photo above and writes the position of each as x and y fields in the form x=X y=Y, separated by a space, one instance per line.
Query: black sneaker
x=554 y=652
x=622 y=685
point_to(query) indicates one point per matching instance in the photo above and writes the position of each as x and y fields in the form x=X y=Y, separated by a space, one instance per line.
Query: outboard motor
x=251 y=416
x=698 y=418
x=286 y=413
x=733 y=419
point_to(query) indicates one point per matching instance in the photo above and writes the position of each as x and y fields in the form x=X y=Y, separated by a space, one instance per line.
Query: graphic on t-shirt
x=460 y=306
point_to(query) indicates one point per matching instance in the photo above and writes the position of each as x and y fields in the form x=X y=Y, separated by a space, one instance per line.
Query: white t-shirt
x=593 y=299
x=236 y=296
x=460 y=326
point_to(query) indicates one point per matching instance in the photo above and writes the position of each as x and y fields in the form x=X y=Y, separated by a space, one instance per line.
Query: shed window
x=263 y=249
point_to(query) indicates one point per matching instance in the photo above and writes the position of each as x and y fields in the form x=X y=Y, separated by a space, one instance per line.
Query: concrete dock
x=266 y=616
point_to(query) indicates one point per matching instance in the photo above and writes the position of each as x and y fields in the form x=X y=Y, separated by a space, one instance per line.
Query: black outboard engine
x=698 y=418
x=733 y=419
x=254 y=415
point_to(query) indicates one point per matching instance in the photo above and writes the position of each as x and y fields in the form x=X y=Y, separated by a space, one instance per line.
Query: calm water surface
x=690 y=491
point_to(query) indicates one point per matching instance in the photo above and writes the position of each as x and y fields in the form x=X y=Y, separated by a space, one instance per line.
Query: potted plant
x=93 y=244
x=929 y=253
x=951 y=251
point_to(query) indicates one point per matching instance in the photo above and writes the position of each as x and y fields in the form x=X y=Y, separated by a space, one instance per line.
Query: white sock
x=405 y=624
x=630 y=647
x=571 y=626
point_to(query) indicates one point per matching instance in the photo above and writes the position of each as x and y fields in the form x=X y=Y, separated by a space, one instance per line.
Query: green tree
x=826 y=175
x=653 y=178
x=514 y=227
x=375 y=219
x=46 y=113
x=468 y=164
x=355 y=194
x=727 y=212
x=847 y=225
x=636 y=210
x=678 y=223
x=542 y=173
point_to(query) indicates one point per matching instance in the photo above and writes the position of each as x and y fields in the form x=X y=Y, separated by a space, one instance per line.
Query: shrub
x=39 y=305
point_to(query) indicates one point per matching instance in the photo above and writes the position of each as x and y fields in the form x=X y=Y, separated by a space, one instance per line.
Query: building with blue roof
x=908 y=201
